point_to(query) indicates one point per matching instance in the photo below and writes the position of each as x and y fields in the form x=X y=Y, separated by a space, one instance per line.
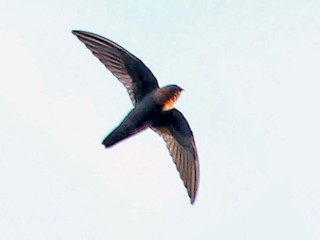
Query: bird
x=153 y=107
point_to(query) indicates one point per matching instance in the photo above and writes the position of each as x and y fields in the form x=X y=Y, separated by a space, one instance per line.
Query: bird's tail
x=114 y=137
x=123 y=131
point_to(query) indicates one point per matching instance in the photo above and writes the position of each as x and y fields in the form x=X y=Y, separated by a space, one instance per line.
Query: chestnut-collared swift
x=153 y=107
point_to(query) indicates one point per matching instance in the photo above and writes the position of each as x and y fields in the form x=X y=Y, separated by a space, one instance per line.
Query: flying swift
x=153 y=107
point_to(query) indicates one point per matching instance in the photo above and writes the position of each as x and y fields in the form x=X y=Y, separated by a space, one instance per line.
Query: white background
x=250 y=70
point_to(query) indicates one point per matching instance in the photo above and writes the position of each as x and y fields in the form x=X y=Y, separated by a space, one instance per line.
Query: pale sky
x=250 y=70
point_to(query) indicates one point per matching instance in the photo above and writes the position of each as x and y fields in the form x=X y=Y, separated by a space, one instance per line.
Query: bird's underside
x=153 y=107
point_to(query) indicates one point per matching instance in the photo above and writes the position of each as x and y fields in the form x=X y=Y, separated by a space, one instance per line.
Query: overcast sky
x=250 y=70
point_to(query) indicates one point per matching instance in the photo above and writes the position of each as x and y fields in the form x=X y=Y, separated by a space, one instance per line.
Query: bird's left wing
x=131 y=72
x=175 y=130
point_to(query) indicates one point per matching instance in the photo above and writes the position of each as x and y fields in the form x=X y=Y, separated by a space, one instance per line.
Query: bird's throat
x=169 y=104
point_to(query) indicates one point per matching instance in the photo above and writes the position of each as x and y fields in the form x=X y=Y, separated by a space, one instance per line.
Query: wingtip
x=192 y=200
x=79 y=32
x=75 y=32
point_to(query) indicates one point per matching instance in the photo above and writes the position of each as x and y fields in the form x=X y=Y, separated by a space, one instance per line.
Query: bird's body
x=153 y=107
x=146 y=113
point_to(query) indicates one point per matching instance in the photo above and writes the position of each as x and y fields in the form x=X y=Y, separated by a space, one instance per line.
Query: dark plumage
x=153 y=107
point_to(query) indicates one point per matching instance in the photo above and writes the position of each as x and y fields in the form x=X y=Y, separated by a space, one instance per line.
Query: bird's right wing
x=131 y=72
x=175 y=130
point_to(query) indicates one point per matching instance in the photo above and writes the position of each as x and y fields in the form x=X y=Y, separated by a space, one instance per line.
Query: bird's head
x=167 y=96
